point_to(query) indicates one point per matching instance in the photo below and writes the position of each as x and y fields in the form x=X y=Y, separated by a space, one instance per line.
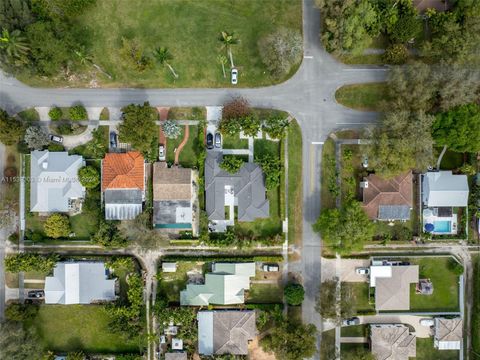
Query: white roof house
x=225 y=285
x=443 y=189
x=54 y=180
x=448 y=334
x=78 y=283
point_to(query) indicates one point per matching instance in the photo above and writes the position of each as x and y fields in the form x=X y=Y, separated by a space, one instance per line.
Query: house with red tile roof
x=388 y=200
x=123 y=185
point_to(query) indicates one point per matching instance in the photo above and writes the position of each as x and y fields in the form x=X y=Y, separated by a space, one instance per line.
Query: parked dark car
x=36 y=294
x=209 y=141
x=55 y=138
x=351 y=321
x=218 y=140
x=113 y=139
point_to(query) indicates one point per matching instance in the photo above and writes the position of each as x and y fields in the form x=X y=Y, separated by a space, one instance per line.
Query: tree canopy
x=294 y=294
x=109 y=235
x=459 y=128
x=139 y=128
x=57 y=225
x=347 y=229
x=272 y=168
x=231 y=163
x=11 y=129
x=30 y=262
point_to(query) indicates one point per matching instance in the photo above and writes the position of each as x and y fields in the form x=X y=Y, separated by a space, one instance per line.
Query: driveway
x=420 y=331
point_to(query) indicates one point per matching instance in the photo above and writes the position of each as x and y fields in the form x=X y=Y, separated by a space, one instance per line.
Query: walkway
x=182 y=144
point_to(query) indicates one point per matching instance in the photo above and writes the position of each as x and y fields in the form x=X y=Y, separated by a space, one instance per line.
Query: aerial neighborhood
x=233 y=180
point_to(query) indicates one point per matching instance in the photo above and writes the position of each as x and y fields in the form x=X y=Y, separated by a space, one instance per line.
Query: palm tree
x=85 y=59
x=222 y=60
x=162 y=55
x=14 y=46
x=228 y=39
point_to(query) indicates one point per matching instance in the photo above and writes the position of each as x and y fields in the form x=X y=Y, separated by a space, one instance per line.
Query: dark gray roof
x=249 y=190
x=122 y=204
x=393 y=212
x=165 y=212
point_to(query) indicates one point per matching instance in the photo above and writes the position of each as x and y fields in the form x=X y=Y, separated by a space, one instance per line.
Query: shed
x=169 y=267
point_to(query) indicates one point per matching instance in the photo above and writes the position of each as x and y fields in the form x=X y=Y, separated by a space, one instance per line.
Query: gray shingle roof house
x=443 y=189
x=392 y=342
x=172 y=197
x=248 y=186
x=54 y=180
x=225 y=285
x=392 y=286
x=78 y=283
x=225 y=332
x=448 y=334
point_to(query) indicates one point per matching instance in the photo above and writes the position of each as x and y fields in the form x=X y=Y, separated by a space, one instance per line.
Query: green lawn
x=327 y=348
x=426 y=351
x=265 y=293
x=360 y=291
x=355 y=331
x=189 y=155
x=29 y=115
x=105 y=114
x=190 y=30
x=262 y=147
x=66 y=328
x=295 y=189
x=445 y=284
x=365 y=97
x=327 y=177
x=367 y=59
x=234 y=142
x=187 y=113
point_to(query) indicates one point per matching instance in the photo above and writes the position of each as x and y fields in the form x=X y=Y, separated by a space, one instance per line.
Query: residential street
x=309 y=96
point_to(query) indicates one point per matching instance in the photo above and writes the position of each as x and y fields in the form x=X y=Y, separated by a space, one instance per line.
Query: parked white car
x=362 y=271
x=161 y=153
x=427 y=322
x=270 y=267
x=234 y=76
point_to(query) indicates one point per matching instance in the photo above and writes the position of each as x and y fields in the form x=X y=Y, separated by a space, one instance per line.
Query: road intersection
x=309 y=96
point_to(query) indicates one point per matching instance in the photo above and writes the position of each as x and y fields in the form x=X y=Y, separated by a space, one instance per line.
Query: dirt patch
x=255 y=352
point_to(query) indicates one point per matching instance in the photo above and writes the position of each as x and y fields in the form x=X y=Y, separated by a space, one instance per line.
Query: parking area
x=348 y=269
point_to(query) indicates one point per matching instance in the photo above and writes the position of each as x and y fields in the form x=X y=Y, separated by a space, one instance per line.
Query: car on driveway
x=218 y=140
x=351 y=321
x=427 y=322
x=113 y=139
x=161 y=153
x=209 y=140
x=55 y=138
x=234 y=76
x=36 y=294
x=362 y=271
x=270 y=267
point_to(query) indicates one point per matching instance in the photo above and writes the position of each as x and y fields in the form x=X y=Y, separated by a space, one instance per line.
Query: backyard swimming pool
x=442 y=226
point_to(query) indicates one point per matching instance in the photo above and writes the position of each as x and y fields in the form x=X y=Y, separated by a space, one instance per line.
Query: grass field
x=354 y=331
x=190 y=30
x=29 y=115
x=189 y=155
x=360 y=291
x=365 y=97
x=445 y=284
x=187 y=113
x=66 y=328
x=327 y=348
x=265 y=293
x=295 y=190
x=426 y=351
x=327 y=200
x=234 y=142
x=366 y=59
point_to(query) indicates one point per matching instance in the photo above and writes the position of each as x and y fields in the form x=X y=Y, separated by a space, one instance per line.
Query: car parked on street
x=218 y=140
x=234 y=76
x=362 y=271
x=270 y=267
x=209 y=140
x=351 y=321
x=55 y=138
x=161 y=153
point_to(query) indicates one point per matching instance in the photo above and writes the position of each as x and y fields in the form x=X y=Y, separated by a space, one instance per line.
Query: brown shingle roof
x=173 y=183
x=393 y=293
x=397 y=191
x=123 y=171
x=392 y=342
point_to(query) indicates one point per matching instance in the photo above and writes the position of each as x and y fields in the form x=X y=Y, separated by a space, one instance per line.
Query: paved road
x=309 y=96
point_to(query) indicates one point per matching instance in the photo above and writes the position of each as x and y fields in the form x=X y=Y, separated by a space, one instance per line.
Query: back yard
x=66 y=328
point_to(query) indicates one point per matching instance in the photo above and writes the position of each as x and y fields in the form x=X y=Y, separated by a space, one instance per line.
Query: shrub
x=89 y=177
x=55 y=147
x=236 y=108
x=231 y=164
x=272 y=168
x=78 y=112
x=30 y=262
x=171 y=129
x=57 y=225
x=55 y=113
x=36 y=138
x=455 y=267
x=396 y=54
x=294 y=294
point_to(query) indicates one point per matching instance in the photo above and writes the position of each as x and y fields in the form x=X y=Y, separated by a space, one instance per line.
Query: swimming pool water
x=442 y=226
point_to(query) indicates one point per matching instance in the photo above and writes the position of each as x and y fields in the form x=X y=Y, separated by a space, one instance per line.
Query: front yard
x=170 y=284
x=189 y=155
x=65 y=328
x=360 y=292
x=261 y=293
x=445 y=284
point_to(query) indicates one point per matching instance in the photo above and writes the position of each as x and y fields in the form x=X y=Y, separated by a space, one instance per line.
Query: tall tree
x=459 y=128
x=163 y=56
x=222 y=60
x=228 y=39
x=349 y=25
x=14 y=47
x=138 y=127
x=11 y=129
